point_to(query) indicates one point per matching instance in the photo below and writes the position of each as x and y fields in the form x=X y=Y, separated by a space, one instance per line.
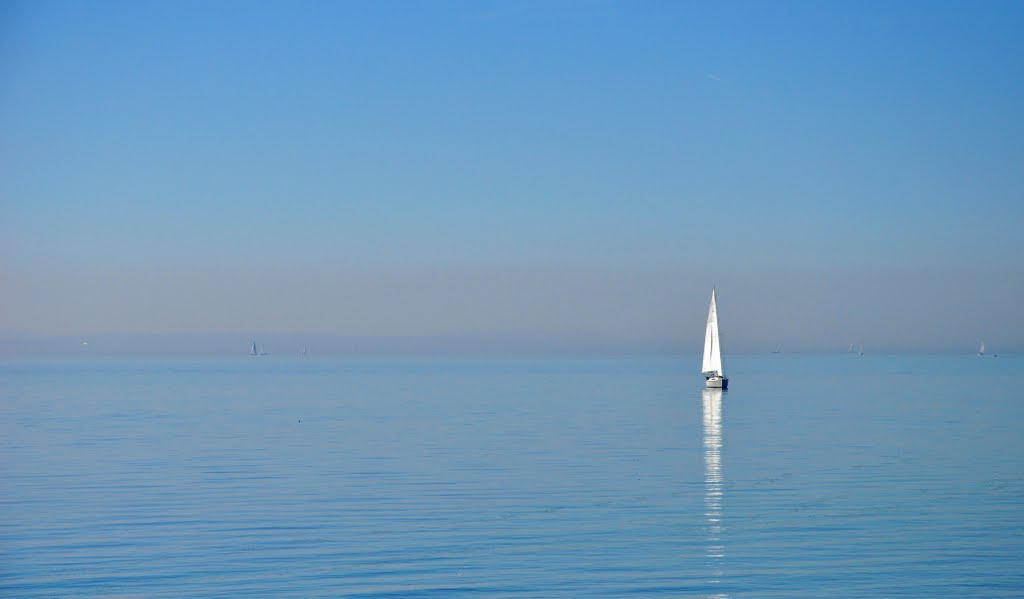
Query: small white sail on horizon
x=981 y=348
x=254 y=352
x=711 y=366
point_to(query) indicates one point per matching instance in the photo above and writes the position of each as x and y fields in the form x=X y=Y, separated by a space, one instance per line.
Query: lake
x=274 y=476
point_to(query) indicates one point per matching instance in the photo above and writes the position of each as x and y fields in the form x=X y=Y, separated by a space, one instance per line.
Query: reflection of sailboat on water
x=711 y=367
x=713 y=482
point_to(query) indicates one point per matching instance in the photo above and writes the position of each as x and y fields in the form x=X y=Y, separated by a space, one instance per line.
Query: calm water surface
x=273 y=477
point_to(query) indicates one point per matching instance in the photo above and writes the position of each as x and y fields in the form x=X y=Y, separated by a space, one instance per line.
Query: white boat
x=981 y=349
x=711 y=368
x=254 y=352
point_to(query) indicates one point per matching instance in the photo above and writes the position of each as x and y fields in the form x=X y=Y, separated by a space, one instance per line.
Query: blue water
x=275 y=477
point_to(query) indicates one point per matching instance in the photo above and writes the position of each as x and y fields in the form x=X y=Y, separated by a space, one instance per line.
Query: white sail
x=712 y=349
x=253 y=352
x=981 y=349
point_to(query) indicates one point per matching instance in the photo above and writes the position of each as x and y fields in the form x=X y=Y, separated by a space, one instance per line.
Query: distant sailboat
x=263 y=351
x=254 y=352
x=711 y=368
x=981 y=349
x=778 y=350
x=303 y=351
x=851 y=349
x=860 y=352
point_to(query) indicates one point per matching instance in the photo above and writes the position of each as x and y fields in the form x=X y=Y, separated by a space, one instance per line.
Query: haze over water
x=575 y=174
x=831 y=475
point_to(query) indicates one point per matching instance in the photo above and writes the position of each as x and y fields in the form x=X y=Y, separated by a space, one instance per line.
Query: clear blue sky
x=841 y=171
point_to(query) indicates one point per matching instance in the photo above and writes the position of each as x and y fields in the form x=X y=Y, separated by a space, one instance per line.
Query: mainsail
x=712 y=349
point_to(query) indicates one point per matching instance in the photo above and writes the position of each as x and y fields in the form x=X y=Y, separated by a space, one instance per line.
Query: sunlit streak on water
x=713 y=483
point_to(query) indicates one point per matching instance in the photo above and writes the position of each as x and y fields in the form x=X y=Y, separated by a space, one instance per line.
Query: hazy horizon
x=514 y=176
x=512 y=346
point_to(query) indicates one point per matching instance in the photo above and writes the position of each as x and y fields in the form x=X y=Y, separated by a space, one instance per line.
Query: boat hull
x=716 y=382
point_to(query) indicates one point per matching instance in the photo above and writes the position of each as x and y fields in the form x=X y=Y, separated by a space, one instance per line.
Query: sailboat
x=711 y=368
x=254 y=352
x=981 y=349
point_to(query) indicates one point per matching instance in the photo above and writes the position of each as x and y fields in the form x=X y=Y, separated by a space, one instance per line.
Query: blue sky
x=553 y=168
